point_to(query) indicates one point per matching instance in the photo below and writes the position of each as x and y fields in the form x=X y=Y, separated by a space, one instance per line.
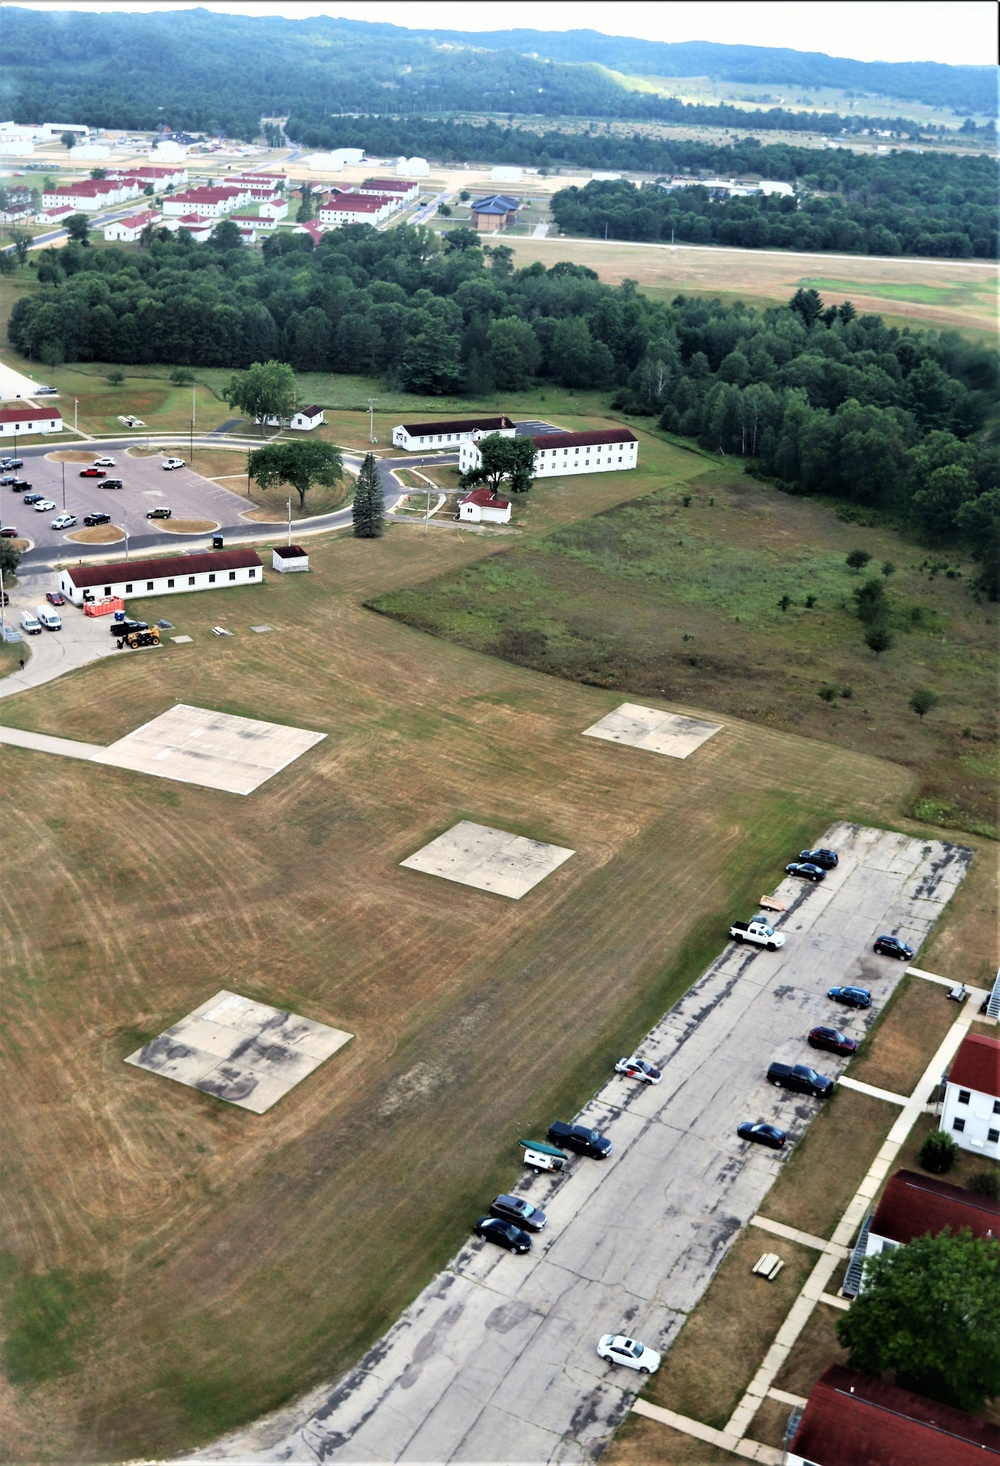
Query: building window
x=993 y=1136
x=190 y=580
x=964 y=1095
x=170 y=585
x=211 y=579
x=128 y=589
x=996 y=1107
x=107 y=590
x=149 y=585
x=958 y=1125
x=232 y=575
x=253 y=572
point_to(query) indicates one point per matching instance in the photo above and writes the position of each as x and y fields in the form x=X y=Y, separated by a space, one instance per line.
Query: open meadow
x=178 y=1265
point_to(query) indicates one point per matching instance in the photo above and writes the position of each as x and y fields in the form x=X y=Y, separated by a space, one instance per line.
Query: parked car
x=122 y=628
x=92 y=472
x=46 y=391
x=504 y=1234
x=825 y=859
x=832 y=1040
x=19 y=485
x=104 y=463
x=617 y=1349
x=7 y=532
x=12 y=463
x=112 y=483
x=638 y=1069
x=6 y=479
x=32 y=498
x=159 y=513
x=64 y=521
x=30 y=623
x=894 y=947
x=173 y=463
x=579 y=1138
x=48 y=618
x=4 y=598
x=519 y=1210
x=45 y=506
x=54 y=598
x=800 y=1079
x=762 y=1134
x=806 y=870
x=851 y=997
x=92 y=519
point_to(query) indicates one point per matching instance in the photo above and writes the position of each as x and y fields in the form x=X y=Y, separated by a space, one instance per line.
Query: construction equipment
x=133 y=639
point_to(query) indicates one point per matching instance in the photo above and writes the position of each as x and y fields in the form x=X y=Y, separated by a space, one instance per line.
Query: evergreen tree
x=369 y=502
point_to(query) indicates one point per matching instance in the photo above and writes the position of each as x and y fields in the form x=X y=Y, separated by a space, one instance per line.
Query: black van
x=800 y=1078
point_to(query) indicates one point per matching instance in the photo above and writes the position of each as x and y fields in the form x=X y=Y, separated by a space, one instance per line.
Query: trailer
x=542 y=1157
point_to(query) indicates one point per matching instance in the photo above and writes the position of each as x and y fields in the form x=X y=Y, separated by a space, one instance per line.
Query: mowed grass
x=905 y=1037
x=249 y=1257
x=658 y=598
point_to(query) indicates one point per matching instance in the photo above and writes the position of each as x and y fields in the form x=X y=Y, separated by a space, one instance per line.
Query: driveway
x=496 y=1360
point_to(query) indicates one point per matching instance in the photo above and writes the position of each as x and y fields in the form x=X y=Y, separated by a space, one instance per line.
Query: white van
x=50 y=619
x=30 y=624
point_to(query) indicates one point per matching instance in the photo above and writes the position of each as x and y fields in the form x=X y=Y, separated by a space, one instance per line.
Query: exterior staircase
x=855 y=1268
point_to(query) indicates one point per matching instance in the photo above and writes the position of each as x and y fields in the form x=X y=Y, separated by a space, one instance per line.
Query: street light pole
x=193 y=408
x=289 y=502
x=371 y=419
x=63 y=466
x=76 y=404
x=126 y=536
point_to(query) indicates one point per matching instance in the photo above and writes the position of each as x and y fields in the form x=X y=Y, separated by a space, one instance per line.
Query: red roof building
x=164 y=575
x=970 y=1112
x=14 y=420
x=484 y=506
x=913 y=1205
x=977 y=1064
x=852 y=1420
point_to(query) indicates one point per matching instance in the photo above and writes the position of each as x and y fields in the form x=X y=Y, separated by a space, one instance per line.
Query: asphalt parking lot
x=496 y=1360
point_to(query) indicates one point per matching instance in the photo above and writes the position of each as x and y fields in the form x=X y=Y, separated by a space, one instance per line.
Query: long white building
x=168 y=575
x=600 y=450
x=431 y=437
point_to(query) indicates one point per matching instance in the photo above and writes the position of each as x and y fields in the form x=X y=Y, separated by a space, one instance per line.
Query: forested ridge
x=207 y=71
x=818 y=398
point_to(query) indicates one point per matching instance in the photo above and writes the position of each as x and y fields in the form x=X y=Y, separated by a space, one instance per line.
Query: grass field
x=238 y=1259
x=659 y=598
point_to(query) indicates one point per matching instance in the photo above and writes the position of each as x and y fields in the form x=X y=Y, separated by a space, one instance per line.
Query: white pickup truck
x=757 y=931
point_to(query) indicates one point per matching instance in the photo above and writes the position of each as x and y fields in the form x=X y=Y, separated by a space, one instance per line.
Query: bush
x=937 y=1154
x=117 y=377
x=857 y=559
x=827 y=693
x=986 y=1183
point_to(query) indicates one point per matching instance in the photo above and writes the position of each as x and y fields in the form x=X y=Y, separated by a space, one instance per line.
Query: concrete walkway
x=792 y=1234
x=45 y=743
x=723 y=1439
x=883 y=1094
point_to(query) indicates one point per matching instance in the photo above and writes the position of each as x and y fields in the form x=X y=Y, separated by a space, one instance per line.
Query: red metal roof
x=852 y=1420
x=458 y=425
x=977 y=1064
x=122 y=571
x=913 y=1205
x=485 y=497
x=28 y=414
x=578 y=440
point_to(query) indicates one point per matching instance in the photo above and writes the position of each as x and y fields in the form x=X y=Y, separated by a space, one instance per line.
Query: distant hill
x=205 y=70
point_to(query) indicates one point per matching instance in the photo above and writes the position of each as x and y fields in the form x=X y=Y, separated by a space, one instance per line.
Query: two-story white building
x=600 y=450
x=127 y=231
x=431 y=437
x=970 y=1113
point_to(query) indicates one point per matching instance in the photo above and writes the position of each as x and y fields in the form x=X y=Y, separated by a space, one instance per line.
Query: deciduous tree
x=506 y=461
x=266 y=389
x=302 y=465
x=78 y=228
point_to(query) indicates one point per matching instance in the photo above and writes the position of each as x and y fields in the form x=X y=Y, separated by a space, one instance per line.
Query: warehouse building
x=167 y=575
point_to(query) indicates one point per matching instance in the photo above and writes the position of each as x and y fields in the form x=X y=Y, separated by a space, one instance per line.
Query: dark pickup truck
x=580 y=1139
x=801 y=1079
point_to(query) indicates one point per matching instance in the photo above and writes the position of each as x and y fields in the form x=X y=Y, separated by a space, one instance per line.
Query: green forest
x=200 y=70
x=819 y=399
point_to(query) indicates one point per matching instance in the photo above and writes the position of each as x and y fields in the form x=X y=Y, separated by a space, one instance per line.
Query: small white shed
x=306 y=419
x=286 y=558
x=484 y=507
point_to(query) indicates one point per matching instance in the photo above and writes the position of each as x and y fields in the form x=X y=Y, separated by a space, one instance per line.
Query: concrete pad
x=180 y=639
x=244 y=1052
x=261 y=628
x=490 y=860
x=215 y=750
x=654 y=730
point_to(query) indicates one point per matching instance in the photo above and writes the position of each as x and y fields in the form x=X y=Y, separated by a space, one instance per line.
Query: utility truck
x=757 y=930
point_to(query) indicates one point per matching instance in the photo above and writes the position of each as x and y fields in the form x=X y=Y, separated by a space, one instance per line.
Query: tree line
x=818 y=398
x=956 y=220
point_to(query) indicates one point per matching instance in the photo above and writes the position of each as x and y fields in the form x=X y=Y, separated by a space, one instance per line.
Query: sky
x=958 y=32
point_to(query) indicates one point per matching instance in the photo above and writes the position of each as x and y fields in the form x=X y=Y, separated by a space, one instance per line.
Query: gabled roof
x=580 y=440
x=852 y=1420
x=313 y=411
x=457 y=425
x=913 y=1205
x=28 y=414
x=310 y=227
x=977 y=1064
x=85 y=576
x=486 y=498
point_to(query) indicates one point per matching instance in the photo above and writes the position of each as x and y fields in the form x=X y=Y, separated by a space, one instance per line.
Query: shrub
x=937 y=1154
x=857 y=559
x=986 y=1183
x=922 y=701
x=827 y=693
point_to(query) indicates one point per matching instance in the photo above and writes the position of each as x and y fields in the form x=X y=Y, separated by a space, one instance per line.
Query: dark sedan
x=504 y=1234
x=851 y=997
x=825 y=859
x=762 y=1134
x=894 y=947
x=832 y=1040
x=806 y=870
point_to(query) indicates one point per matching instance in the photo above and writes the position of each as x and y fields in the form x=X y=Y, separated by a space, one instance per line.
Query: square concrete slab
x=244 y=1052
x=490 y=860
x=652 y=729
x=260 y=629
x=216 y=750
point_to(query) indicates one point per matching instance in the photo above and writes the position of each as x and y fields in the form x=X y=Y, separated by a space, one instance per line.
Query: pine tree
x=369 y=502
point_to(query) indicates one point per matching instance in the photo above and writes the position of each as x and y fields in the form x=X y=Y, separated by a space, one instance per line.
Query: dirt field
x=958 y=294
x=208 y=1264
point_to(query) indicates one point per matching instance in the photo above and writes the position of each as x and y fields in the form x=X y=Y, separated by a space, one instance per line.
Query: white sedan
x=104 y=463
x=64 y=521
x=639 y=1069
x=44 y=506
x=172 y=463
x=616 y=1349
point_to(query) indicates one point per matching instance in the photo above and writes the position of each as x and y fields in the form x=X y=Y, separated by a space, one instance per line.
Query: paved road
x=496 y=1361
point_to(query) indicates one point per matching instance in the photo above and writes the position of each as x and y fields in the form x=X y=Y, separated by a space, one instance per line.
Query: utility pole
x=371 y=420
x=126 y=536
x=193 y=409
x=63 y=466
x=76 y=404
x=289 y=503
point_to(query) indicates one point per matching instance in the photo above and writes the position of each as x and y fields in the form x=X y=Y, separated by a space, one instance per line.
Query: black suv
x=580 y=1139
x=825 y=859
x=518 y=1209
x=800 y=1078
x=114 y=483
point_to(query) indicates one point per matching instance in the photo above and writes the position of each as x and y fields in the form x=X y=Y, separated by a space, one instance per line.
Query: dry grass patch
x=966 y=947
x=639 y=1441
x=770 y=1423
x=905 y=1037
x=74 y=455
x=827 y=1167
x=97 y=534
x=187 y=526
x=720 y=1347
x=814 y=1350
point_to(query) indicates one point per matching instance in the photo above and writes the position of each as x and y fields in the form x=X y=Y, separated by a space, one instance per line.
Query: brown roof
x=977 y=1064
x=458 y=425
x=486 y=496
x=290 y=552
x=27 y=414
x=913 y=1205
x=85 y=576
x=852 y=1420
x=577 y=440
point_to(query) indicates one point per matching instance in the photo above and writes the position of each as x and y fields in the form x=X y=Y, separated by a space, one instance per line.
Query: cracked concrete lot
x=496 y=1359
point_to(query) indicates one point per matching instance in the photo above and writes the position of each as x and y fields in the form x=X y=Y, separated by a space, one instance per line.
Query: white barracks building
x=602 y=450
